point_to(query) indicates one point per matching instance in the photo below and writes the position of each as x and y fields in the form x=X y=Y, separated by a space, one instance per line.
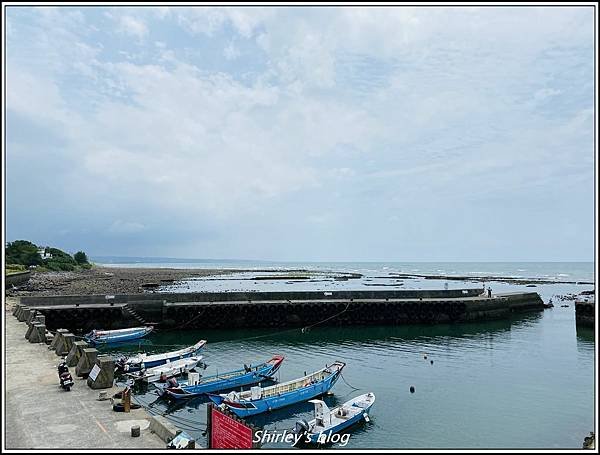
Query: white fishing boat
x=331 y=421
x=142 y=361
x=167 y=370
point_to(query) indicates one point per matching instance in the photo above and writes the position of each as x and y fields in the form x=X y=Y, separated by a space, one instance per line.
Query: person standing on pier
x=489 y=292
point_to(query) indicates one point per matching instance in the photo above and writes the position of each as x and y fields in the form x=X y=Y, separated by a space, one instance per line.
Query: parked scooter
x=66 y=380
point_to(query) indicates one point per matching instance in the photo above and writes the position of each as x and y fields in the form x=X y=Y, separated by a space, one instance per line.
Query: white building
x=43 y=254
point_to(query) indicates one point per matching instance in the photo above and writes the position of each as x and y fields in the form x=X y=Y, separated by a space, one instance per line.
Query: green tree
x=80 y=257
x=22 y=252
x=59 y=260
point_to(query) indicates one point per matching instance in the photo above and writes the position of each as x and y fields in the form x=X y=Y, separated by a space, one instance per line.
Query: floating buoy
x=412 y=389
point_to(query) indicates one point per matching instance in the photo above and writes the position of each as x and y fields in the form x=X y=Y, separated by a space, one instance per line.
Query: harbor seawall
x=278 y=309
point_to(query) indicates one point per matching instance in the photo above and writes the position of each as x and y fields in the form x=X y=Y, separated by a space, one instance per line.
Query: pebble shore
x=103 y=280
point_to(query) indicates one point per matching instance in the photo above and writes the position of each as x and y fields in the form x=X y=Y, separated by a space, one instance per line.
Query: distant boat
x=259 y=399
x=142 y=361
x=117 y=336
x=328 y=422
x=248 y=375
x=167 y=370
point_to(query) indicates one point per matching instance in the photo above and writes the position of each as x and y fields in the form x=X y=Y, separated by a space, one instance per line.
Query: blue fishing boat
x=262 y=399
x=117 y=336
x=144 y=361
x=328 y=422
x=248 y=375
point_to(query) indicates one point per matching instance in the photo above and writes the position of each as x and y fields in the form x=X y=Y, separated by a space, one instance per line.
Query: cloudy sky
x=396 y=134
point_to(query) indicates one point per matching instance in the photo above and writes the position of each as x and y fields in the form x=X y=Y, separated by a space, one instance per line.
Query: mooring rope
x=346 y=382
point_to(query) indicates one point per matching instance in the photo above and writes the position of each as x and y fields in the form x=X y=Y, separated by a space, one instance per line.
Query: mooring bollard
x=38 y=334
x=135 y=431
x=65 y=344
x=75 y=353
x=102 y=374
x=57 y=337
x=126 y=400
x=86 y=362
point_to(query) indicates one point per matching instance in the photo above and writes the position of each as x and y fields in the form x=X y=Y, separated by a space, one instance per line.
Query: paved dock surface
x=40 y=415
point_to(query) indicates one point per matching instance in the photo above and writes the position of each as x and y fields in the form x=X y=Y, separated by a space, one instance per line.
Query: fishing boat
x=117 y=336
x=248 y=375
x=167 y=370
x=262 y=399
x=328 y=422
x=143 y=361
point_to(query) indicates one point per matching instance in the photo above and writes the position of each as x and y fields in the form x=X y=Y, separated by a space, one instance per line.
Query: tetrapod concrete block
x=64 y=344
x=86 y=362
x=105 y=376
x=57 y=337
x=75 y=353
x=32 y=314
x=38 y=334
x=30 y=322
x=16 y=308
x=23 y=314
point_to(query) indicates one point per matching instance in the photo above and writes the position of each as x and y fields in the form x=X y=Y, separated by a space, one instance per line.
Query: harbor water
x=527 y=382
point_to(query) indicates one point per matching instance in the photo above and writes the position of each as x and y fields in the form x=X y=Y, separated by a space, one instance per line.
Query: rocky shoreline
x=104 y=280
x=130 y=280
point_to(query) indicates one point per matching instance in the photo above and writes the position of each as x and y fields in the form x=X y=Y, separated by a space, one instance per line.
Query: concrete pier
x=279 y=309
x=40 y=415
x=585 y=311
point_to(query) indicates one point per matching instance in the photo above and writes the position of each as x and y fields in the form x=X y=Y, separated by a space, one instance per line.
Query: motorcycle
x=66 y=380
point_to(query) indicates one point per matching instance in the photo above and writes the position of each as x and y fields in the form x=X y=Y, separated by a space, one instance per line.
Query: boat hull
x=253 y=377
x=314 y=438
x=245 y=408
x=155 y=360
x=117 y=336
x=169 y=370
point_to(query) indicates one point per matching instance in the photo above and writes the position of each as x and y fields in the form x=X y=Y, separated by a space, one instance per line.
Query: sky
x=302 y=133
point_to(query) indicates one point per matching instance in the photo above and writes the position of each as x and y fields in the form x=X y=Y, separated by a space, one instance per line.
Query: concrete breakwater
x=585 y=309
x=277 y=309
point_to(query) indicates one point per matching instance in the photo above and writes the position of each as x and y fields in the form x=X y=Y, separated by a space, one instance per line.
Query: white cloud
x=133 y=26
x=350 y=110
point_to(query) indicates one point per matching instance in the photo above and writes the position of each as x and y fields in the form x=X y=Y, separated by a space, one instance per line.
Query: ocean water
x=564 y=271
x=525 y=382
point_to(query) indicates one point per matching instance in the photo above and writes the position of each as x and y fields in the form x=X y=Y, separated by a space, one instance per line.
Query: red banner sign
x=227 y=433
